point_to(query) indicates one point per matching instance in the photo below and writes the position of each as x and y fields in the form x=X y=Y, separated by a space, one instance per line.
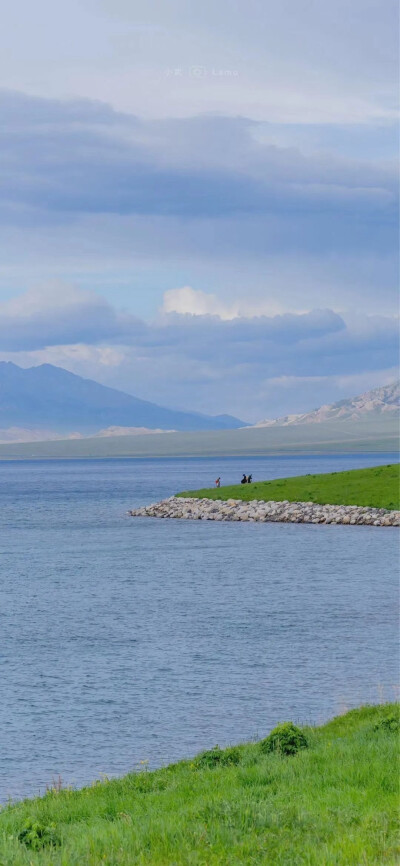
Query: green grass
x=378 y=487
x=335 y=802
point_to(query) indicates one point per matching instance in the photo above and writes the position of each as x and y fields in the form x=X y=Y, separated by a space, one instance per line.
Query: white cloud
x=195 y=302
x=51 y=296
x=79 y=356
x=58 y=314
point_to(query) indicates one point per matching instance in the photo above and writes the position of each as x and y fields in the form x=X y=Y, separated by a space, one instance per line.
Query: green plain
x=332 y=804
x=373 y=433
x=377 y=487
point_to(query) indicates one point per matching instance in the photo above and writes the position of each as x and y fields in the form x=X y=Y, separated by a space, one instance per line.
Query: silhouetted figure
x=249 y=479
x=218 y=482
x=244 y=479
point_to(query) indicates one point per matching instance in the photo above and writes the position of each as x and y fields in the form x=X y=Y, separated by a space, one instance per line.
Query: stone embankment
x=259 y=511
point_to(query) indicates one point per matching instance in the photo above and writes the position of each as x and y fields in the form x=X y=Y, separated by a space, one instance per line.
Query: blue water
x=125 y=639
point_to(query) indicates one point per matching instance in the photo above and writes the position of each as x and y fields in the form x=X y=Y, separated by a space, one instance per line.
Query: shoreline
x=261 y=511
x=193 y=455
x=264 y=801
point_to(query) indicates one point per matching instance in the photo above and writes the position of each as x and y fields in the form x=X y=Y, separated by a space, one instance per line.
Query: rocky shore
x=260 y=511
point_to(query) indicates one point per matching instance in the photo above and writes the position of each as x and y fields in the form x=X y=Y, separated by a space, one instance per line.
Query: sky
x=199 y=202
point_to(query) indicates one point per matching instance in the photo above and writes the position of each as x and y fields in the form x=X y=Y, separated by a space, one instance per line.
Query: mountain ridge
x=380 y=400
x=60 y=402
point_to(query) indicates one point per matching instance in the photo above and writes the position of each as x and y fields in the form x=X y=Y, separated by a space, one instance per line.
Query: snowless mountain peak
x=379 y=401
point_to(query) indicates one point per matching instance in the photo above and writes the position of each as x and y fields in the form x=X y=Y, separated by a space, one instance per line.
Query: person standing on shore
x=218 y=482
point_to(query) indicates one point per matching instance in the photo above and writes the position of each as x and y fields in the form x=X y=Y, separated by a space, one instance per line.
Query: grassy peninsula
x=324 y=796
x=377 y=487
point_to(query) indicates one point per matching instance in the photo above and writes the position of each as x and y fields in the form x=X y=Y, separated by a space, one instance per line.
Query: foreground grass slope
x=377 y=487
x=334 y=802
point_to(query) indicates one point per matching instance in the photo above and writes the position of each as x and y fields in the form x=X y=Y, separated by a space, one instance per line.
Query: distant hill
x=50 y=401
x=379 y=433
x=377 y=402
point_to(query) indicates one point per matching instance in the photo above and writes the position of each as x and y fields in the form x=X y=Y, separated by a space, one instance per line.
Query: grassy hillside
x=378 y=487
x=333 y=803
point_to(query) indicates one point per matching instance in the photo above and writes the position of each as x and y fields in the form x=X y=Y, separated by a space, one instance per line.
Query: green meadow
x=318 y=796
x=377 y=487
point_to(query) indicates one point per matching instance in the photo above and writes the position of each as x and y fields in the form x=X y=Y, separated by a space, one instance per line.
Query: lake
x=126 y=640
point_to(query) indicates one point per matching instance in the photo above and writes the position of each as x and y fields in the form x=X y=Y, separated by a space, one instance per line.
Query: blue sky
x=199 y=202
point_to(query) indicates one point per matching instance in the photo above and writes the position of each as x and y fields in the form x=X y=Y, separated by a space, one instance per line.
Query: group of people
x=247 y=479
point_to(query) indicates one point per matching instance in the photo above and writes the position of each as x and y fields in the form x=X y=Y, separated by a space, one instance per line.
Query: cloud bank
x=254 y=211
x=61 y=160
x=202 y=359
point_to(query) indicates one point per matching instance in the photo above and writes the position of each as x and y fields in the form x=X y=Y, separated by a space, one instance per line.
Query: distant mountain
x=54 y=401
x=29 y=434
x=377 y=402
